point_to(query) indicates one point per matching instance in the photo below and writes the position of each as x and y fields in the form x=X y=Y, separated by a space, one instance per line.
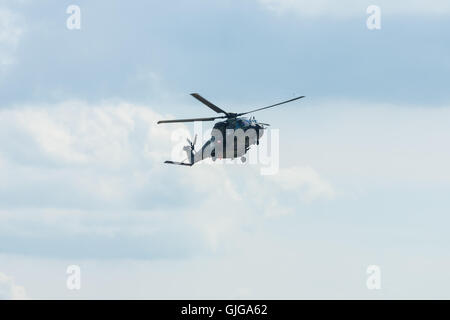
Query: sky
x=363 y=173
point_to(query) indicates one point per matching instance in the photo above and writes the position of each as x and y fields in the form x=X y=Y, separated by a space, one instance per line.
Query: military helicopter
x=225 y=136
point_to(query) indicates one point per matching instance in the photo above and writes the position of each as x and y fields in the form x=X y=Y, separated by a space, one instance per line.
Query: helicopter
x=230 y=138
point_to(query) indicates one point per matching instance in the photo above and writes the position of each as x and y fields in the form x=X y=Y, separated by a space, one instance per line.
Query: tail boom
x=179 y=163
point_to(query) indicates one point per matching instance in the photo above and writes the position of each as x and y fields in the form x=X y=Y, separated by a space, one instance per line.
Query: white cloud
x=66 y=195
x=11 y=30
x=9 y=290
x=360 y=146
x=91 y=180
x=297 y=178
x=356 y=8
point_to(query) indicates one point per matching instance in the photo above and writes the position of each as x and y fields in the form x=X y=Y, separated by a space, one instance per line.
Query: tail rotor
x=190 y=149
x=192 y=144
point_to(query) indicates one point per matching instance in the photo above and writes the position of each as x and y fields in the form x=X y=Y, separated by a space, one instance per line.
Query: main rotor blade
x=207 y=103
x=274 y=105
x=190 y=120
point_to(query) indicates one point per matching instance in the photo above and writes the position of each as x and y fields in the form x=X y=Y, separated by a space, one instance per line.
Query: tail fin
x=190 y=149
x=190 y=153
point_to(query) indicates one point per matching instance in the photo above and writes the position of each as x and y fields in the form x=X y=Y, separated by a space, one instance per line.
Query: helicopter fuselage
x=231 y=138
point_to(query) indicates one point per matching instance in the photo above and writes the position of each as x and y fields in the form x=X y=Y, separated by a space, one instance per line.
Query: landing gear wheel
x=213 y=158
x=243 y=159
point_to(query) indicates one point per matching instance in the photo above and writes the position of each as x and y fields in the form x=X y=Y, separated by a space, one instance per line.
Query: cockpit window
x=241 y=123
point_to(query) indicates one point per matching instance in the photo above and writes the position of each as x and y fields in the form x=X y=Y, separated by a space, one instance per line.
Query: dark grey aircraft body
x=230 y=138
